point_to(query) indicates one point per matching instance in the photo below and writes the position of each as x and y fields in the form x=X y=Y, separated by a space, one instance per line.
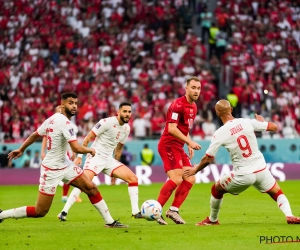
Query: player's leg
x=170 y=158
x=73 y=197
x=47 y=188
x=65 y=190
x=227 y=184
x=185 y=186
x=182 y=190
x=87 y=186
x=267 y=184
x=40 y=210
x=124 y=173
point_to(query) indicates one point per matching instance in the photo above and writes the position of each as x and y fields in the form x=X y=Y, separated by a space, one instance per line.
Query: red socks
x=215 y=193
x=95 y=198
x=30 y=212
x=166 y=191
x=66 y=188
x=274 y=196
x=181 y=193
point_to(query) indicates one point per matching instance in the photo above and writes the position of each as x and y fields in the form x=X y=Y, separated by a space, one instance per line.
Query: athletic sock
x=18 y=213
x=282 y=202
x=102 y=208
x=181 y=193
x=166 y=191
x=72 y=199
x=66 y=188
x=284 y=205
x=215 y=205
x=133 y=190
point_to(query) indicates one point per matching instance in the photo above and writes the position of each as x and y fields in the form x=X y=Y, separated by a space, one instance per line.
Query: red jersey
x=183 y=114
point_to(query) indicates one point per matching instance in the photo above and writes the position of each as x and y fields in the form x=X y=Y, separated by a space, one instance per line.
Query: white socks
x=103 y=210
x=72 y=199
x=134 y=199
x=16 y=213
x=284 y=205
x=215 y=205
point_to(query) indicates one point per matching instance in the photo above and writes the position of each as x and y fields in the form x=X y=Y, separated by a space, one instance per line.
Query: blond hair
x=195 y=78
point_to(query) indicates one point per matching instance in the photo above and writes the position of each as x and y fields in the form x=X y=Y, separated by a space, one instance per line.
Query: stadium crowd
x=108 y=51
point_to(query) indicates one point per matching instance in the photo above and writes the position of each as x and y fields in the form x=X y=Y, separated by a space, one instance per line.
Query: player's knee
x=132 y=179
x=191 y=179
x=92 y=189
x=177 y=180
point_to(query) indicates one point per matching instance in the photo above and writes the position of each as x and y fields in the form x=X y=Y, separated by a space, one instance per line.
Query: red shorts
x=173 y=157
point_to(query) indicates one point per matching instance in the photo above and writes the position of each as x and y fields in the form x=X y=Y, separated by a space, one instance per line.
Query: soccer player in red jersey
x=180 y=118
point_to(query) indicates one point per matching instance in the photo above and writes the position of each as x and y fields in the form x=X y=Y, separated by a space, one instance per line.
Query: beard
x=69 y=112
x=123 y=119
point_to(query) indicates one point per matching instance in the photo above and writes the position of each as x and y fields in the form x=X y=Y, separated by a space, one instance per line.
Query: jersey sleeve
x=42 y=129
x=175 y=113
x=101 y=127
x=214 y=145
x=68 y=131
x=259 y=126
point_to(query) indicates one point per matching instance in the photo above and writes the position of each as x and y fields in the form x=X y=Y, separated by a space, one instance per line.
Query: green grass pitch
x=244 y=219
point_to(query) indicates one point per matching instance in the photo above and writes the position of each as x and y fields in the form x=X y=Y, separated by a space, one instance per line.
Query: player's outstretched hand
x=93 y=152
x=259 y=118
x=189 y=172
x=194 y=145
x=78 y=161
x=14 y=154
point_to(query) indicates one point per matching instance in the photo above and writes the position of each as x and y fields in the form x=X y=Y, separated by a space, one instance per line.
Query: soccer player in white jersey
x=109 y=136
x=249 y=166
x=70 y=154
x=57 y=167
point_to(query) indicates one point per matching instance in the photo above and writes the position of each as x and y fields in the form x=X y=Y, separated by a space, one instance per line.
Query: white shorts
x=263 y=181
x=99 y=164
x=50 y=178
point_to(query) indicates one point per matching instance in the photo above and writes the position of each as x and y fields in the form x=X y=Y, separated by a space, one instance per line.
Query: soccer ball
x=151 y=210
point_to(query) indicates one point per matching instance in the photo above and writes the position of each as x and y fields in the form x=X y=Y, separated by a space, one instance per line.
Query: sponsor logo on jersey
x=98 y=125
x=71 y=131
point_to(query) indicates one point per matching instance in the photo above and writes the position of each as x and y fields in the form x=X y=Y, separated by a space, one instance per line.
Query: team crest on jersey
x=98 y=125
x=51 y=121
x=68 y=122
x=71 y=131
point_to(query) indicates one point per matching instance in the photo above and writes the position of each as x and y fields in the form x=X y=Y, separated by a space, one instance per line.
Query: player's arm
x=190 y=149
x=90 y=137
x=18 y=152
x=79 y=149
x=173 y=130
x=271 y=125
x=43 y=147
x=118 y=151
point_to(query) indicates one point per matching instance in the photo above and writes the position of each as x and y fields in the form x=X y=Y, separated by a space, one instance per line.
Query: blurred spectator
x=25 y=159
x=141 y=128
x=126 y=157
x=4 y=162
x=36 y=160
x=147 y=155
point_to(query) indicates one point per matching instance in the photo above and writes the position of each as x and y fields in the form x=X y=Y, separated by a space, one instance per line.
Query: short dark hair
x=124 y=104
x=66 y=95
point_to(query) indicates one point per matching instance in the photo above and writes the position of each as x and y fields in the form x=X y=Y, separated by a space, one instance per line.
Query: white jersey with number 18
x=59 y=132
x=238 y=137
